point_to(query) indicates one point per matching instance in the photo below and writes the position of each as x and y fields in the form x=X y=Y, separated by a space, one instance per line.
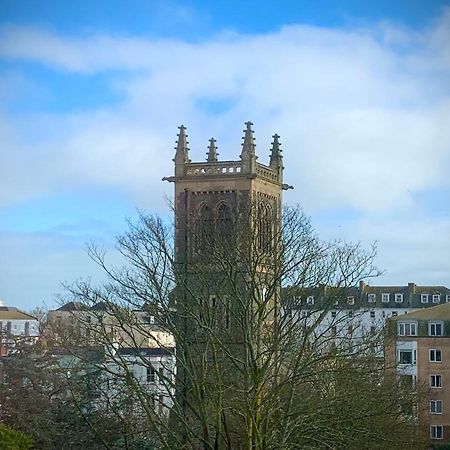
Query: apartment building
x=81 y=323
x=420 y=349
x=359 y=310
x=16 y=327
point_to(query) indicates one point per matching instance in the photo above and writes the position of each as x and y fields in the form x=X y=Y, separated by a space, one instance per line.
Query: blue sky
x=91 y=94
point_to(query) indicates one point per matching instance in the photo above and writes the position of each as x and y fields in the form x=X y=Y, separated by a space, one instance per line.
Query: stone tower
x=226 y=212
x=216 y=188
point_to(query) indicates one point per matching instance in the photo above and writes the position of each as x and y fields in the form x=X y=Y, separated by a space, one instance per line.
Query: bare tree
x=248 y=374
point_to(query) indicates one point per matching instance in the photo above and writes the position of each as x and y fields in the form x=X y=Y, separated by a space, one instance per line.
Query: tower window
x=265 y=223
x=205 y=230
x=224 y=224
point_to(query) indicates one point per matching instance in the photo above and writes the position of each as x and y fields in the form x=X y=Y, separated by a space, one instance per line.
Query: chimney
x=412 y=288
x=362 y=285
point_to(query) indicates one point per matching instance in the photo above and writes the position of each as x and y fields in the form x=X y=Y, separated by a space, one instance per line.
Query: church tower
x=214 y=190
x=227 y=295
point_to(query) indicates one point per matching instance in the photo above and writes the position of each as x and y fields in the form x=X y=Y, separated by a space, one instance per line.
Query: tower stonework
x=234 y=184
x=227 y=295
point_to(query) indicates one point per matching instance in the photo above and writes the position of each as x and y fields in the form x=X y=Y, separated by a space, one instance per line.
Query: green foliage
x=11 y=439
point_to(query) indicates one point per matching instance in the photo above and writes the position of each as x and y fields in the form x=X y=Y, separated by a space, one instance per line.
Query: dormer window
x=447 y=298
x=407 y=328
x=398 y=298
x=435 y=328
x=350 y=300
x=310 y=300
x=424 y=298
x=436 y=298
x=371 y=298
x=385 y=298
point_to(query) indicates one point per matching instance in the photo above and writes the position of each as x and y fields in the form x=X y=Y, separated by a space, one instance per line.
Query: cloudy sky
x=91 y=94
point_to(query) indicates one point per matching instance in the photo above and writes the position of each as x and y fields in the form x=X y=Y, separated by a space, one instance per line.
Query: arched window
x=224 y=222
x=265 y=224
x=205 y=230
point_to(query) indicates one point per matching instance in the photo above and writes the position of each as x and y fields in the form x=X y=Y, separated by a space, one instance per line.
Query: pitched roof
x=12 y=313
x=72 y=306
x=439 y=312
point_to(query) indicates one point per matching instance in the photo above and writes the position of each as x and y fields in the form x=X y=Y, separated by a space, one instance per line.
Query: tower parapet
x=246 y=167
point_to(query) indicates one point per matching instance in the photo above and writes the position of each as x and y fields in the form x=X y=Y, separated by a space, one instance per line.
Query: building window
x=213 y=301
x=406 y=357
x=398 y=298
x=371 y=298
x=435 y=381
x=447 y=298
x=436 y=406
x=336 y=302
x=424 y=298
x=436 y=432
x=372 y=314
x=350 y=300
x=151 y=374
x=350 y=313
x=373 y=330
x=436 y=298
x=310 y=300
x=394 y=314
x=333 y=314
x=435 y=328
x=407 y=329
x=385 y=298
x=435 y=355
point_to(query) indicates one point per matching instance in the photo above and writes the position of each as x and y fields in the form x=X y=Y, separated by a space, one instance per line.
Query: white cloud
x=353 y=110
x=363 y=115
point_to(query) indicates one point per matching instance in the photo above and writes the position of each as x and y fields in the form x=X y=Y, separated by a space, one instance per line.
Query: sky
x=92 y=93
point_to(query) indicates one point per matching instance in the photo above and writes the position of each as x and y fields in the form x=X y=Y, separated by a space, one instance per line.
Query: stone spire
x=248 y=147
x=212 y=151
x=182 y=149
x=276 y=159
x=248 y=153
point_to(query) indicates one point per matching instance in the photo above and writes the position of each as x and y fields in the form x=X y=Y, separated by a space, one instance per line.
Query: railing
x=266 y=172
x=227 y=168
x=216 y=168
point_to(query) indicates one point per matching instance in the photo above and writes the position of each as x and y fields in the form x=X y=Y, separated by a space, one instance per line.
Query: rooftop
x=12 y=313
x=439 y=312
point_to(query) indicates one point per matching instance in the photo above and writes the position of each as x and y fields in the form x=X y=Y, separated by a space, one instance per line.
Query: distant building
x=358 y=311
x=16 y=327
x=80 y=323
x=420 y=351
x=114 y=372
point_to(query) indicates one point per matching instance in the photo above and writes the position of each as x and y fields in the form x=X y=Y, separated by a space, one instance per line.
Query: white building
x=16 y=327
x=349 y=314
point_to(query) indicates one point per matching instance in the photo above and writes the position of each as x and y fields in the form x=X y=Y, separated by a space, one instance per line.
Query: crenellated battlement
x=248 y=166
